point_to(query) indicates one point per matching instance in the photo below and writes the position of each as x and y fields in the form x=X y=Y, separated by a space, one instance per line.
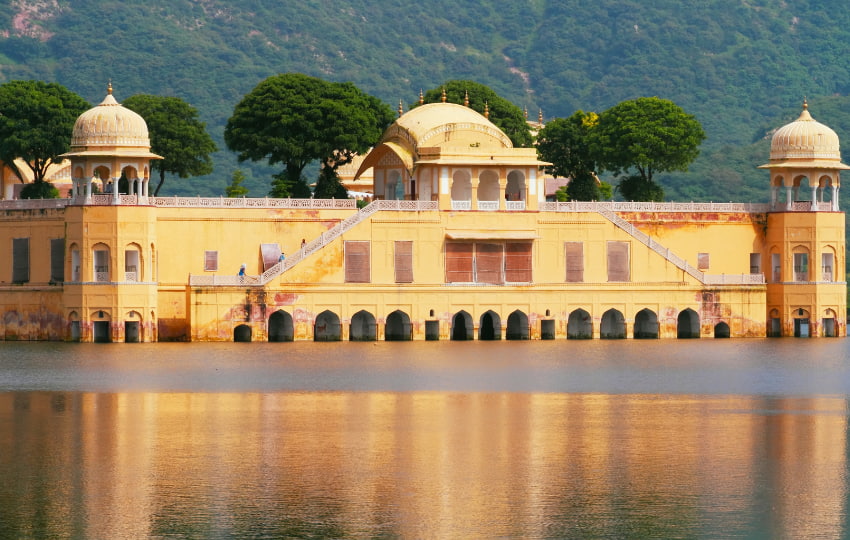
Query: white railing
x=613 y=206
x=324 y=239
x=733 y=279
x=131 y=276
x=461 y=205
x=488 y=206
x=224 y=202
x=34 y=204
x=515 y=205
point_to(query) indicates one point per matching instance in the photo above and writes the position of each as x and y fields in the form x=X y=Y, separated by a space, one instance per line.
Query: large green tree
x=504 y=114
x=566 y=143
x=639 y=137
x=295 y=119
x=36 y=122
x=176 y=134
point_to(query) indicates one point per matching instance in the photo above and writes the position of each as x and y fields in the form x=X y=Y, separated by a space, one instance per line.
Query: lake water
x=542 y=439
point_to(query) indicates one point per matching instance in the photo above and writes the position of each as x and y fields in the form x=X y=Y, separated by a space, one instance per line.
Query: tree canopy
x=295 y=119
x=36 y=123
x=567 y=143
x=639 y=137
x=176 y=134
x=504 y=114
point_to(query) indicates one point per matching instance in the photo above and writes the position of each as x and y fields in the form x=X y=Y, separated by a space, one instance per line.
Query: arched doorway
x=721 y=330
x=327 y=327
x=802 y=323
x=363 y=327
x=490 y=326
x=579 y=325
x=687 y=324
x=646 y=324
x=828 y=323
x=517 y=326
x=398 y=327
x=613 y=325
x=242 y=334
x=281 y=327
x=462 y=326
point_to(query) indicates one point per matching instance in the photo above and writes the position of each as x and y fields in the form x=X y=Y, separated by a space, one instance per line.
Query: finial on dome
x=540 y=116
x=525 y=112
x=421 y=97
x=486 y=109
x=400 y=109
x=805 y=103
x=443 y=95
x=466 y=98
x=109 y=88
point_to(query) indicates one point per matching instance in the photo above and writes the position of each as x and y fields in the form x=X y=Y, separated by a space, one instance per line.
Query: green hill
x=742 y=67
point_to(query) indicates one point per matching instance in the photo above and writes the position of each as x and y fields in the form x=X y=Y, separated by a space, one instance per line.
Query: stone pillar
x=115 y=190
x=789 y=198
x=814 y=198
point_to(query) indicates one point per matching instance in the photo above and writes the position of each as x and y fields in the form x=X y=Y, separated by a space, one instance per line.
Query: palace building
x=458 y=243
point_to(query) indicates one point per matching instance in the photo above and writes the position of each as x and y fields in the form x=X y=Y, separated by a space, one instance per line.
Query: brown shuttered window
x=702 y=261
x=575 y=262
x=357 y=268
x=518 y=262
x=57 y=259
x=618 y=261
x=211 y=261
x=489 y=261
x=20 y=260
x=459 y=262
x=404 y=261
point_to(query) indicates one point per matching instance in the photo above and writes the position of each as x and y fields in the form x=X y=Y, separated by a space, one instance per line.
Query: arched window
x=133 y=263
x=515 y=188
x=100 y=256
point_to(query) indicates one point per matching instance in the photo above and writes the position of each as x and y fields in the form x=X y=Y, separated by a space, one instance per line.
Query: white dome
x=110 y=124
x=804 y=138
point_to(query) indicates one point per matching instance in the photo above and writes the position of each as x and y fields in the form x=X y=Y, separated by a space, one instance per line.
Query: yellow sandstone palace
x=459 y=243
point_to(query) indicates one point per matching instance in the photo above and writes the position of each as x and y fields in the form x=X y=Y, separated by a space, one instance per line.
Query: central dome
x=110 y=124
x=804 y=138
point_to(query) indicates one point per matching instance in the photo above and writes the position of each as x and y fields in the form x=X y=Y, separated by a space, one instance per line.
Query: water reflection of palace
x=421 y=465
x=459 y=243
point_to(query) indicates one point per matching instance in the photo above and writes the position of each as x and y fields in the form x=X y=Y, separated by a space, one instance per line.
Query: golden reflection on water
x=420 y=465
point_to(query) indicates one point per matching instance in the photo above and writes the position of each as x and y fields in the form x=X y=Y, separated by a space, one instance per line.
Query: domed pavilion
x=110 y=141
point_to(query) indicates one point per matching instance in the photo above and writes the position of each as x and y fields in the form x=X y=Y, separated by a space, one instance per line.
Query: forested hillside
x=742 y=67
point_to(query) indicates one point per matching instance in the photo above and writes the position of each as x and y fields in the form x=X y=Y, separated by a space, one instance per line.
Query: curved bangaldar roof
x=805 y=142
x=448 y=124
x=110 y=124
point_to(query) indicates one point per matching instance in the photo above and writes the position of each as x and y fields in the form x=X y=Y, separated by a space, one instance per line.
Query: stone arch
x=517 y=326
x=774 y=323
x=515 y=188
x=133 y=328
x=102 y=262
x=462 y=326
x=579 y=325
x=363 y=327
x=394 y=186
x=721 y=330
x=646 y=324
x=327 y=327
x=281 y=327
x=800 y=186
x=828 y=324
x=101 y=326
x=133 y=263
x=75 y=329
x=612 y=325
x=461 y=185
x=242 y=333
x=687 y=324
x=825 y=184
x=398 y=327
x=129 y=181
x=801 y=260
x=490 y=326
x=488 y=185
x=802 y=323
x=79 y=172
x=828 y=264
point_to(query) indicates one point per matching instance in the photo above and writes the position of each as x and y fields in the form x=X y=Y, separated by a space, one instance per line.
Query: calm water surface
x=555 y=439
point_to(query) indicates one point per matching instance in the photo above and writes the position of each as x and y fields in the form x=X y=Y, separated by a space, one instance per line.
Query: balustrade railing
x=461 y=205
x=515 y=205
x=488 y=206
x=618 y=206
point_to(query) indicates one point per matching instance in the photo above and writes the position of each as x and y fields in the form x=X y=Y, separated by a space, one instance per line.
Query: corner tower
x=804 y=245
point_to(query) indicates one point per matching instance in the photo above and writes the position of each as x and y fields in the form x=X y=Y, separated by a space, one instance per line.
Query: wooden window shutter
x=575 y=261
x=518 y=262
x=57 y=259
x=20 y=260
x=404 y=261
x=459 y=262
x=357 y=268
x=489 y=262
x=618 y=261
x=702 y=261
x=210 y=261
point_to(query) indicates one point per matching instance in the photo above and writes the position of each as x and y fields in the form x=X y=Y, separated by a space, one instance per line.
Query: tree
x=36 y=123
x=643 y=136
x=504 y=114
x=176 y=134
x=328 y=186
x=236 y=189
x=567 y=143
x=295 y=119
